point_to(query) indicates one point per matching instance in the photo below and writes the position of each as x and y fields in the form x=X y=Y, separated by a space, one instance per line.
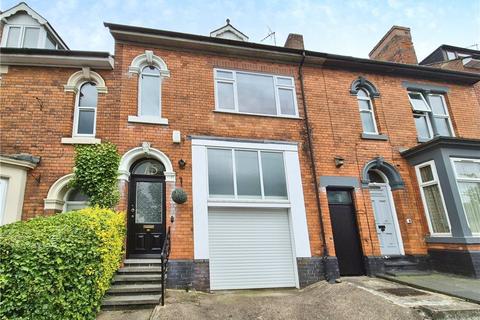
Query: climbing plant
x=95 y=173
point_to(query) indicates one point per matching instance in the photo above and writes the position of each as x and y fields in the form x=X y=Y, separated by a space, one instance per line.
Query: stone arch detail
x=56 y=193
x=76 y=79
x=148 y=59
x=145 y=151
x=362 y=83
x=394 y=178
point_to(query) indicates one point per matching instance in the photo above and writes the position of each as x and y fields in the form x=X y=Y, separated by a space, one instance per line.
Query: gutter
x=312 y=158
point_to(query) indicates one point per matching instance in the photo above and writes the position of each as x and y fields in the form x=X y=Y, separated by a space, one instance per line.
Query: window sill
x=149 y=120
x=450 y=239
x=258 y=114
x=373 y=136
x=422 y=140
x=81 y=140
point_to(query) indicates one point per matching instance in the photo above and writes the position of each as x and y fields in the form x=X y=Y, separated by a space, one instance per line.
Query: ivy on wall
x=96 y=172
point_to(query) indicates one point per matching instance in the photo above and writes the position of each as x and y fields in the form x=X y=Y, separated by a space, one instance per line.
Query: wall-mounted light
x=182 y=163
x=339 y=161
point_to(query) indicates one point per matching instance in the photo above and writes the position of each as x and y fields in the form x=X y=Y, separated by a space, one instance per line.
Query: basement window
x=255 y=93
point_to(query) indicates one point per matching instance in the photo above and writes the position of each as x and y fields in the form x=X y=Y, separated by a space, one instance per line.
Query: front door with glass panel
x=146 y=210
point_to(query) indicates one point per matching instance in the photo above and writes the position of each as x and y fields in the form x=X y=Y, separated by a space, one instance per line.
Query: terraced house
x=298 y=165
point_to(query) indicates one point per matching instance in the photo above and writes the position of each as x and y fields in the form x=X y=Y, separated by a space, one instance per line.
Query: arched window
x=150 y=93
x=149 y=167
x=75 y=200
x=86 y=110
x=366 y=112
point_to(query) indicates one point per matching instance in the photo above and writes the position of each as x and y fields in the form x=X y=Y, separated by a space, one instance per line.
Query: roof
x=438 y=142
x=263 y=51
x=22 y=6
x=437 y=54
x=56 y=58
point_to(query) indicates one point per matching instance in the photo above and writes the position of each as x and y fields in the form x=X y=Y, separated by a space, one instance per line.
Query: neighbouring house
x=298 y=165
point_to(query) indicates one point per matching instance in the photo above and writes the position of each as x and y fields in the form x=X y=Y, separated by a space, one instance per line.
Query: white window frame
x=434 y=115
x=140 y=80
x=235 y=197
x=421 y=185
x=66 y=202
x=77 y=114
x=41 y=35
x=457 y=179
x=371 y=111
x=277 y=86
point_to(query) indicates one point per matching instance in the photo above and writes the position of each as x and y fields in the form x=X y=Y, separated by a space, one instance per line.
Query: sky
x=346 y=27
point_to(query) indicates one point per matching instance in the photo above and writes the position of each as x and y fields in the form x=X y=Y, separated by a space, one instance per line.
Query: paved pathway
x=466 y=288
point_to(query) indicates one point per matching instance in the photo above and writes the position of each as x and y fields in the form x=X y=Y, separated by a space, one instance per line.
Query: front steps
x=404 y=266
x=136 y=285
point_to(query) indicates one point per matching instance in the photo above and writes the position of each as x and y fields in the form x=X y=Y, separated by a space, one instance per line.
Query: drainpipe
x=312 y=164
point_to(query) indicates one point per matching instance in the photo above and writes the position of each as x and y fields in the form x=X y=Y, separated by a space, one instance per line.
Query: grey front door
x=385 y=220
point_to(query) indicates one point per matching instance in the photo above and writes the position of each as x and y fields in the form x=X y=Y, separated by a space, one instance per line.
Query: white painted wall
x=201 y=203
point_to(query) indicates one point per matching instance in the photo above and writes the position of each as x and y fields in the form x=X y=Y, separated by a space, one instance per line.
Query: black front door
x=146 y=216
x=345 y=233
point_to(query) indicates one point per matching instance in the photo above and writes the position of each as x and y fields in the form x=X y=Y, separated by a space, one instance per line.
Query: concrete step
x=142 y=262
x=134 y=301
x=118 y=289
x=136 y=278
x=398 y=273
x=139 y=269
x=400 y=263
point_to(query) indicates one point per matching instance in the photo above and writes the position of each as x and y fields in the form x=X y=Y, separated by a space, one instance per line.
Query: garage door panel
x=250 y=249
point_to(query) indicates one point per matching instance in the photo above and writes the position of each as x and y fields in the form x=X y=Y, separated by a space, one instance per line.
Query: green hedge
x=59 y=267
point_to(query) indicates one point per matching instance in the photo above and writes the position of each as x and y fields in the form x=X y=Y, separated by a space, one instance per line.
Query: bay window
x=432 y=197
x=246 y=174
x=255 y=93
x=467 y=174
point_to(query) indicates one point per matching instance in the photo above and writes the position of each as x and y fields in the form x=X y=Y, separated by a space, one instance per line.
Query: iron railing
x=165 y=255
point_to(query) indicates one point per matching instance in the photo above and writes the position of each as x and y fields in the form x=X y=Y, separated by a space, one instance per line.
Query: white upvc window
x=367 y=113
x=432 y=198
x=437 y=106
x=75 y=200
x=246 y=174
x=85 y=116
x=255 y=93
x=467 y=174
x=20 y=36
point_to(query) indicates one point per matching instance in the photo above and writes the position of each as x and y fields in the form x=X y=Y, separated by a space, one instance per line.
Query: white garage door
x=250 y=249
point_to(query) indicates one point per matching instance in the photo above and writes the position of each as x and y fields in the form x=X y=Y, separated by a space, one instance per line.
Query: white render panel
x=250 y=248
x=200 y=206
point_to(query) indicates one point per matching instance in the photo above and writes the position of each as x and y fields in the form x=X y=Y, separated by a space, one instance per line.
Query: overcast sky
x=344 y=27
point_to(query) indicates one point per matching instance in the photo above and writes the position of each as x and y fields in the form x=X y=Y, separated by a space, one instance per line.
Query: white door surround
x=386 y=220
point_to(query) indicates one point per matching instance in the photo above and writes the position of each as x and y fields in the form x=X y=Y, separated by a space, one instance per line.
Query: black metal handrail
x=164 y=256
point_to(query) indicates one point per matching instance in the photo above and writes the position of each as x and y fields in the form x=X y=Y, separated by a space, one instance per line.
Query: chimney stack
x=395 y=46
x=294 y=41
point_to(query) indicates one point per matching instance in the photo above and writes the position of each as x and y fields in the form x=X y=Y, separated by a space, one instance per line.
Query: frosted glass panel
x=273 y=169
x=256 y=94
x=248 y=174
x=220 y=173
x=150 y=92
x=436 y=102
x=470 y=194
x=287 y=104
x=467 y=169
x=149 y=196
x=225 y=95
